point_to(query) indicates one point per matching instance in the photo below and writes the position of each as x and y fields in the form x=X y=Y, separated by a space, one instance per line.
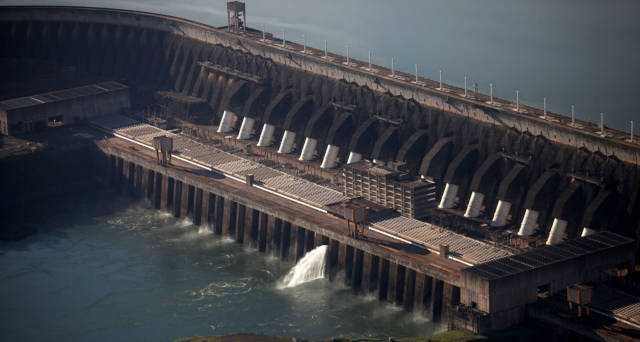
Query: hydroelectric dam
x=472 y=207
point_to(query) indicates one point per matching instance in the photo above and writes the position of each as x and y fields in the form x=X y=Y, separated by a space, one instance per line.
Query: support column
x=242 y=213
x=383 y=286
x=149 y=184
x=409 y=288
x=177 y=198
x=248 y=226
x=501 y=214
x=252 y=238
x=418 y=293
x=285 y=242
x=262 y=232
x=448 y=196
x=266 y=135
x=171 y=189
x=329 y=160
x=348 y=265
x=587 y=231
x=556 y=235
x=140 y=183
x=286 y=145
x=354 y=157
x=245 y=128
x=229 y=217
x=400 y=278
x=309 y=241
x=274 y=235
x=332 y=259
x=226 y=123
x=219 y=215
x=475 y=204
x=392 y=282
x=159 y=192
x=293 y=242
x=367 y=270
x=358 y=268
x=197 y=211
x=447 y=298
x=184 y=200
x=435 y=308
x=308 y=149
x=529 y=221
x=427 y=296
x=204 y=209
x=211 y=211
x=300 y=243
x=192 y=202
x=451 y=298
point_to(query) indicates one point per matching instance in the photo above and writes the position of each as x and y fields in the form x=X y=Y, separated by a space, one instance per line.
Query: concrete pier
x=260 y=222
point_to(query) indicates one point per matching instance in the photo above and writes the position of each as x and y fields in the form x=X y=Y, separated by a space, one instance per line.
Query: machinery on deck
x=163 y=146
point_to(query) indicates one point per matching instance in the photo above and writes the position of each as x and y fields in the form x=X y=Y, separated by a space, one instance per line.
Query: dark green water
x=113 y=270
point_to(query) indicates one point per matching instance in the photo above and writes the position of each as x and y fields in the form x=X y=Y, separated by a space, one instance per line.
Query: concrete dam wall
x=521 y=170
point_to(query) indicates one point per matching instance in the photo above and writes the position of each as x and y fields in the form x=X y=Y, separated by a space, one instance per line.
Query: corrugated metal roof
x=61 y=95
x=548 y=255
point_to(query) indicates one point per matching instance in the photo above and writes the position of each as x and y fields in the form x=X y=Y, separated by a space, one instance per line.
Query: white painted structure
x=226 y=123
x=308 y=149
x=266 y=135
x=475 y=204
x=286 y=144
x=354 y=157
x=330 y=155
x=587 y=231
x=245 y=128
x=448 y=196
x=556 y=235
x=501 y=214
x=528 y=225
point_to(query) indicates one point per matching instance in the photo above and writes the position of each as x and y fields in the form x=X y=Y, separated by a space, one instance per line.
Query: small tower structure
x=236 y=16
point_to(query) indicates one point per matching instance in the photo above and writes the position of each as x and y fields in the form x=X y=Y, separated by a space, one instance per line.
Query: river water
x=581 y=52
x=111 y=269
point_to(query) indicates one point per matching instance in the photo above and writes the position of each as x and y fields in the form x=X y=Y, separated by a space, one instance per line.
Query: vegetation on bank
x=450 y=336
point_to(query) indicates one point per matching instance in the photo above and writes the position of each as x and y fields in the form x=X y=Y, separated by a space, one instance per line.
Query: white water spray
x=205 y=230
x=311 y=267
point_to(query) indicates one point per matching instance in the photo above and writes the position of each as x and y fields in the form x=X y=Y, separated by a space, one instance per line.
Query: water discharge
x=311 y=267
x=112 y=269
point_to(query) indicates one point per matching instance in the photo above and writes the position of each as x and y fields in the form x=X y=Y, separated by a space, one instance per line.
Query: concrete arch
x=255 y=104
x=598 y=213
x=340 y=131
x=299 y=114
x=236 y=98
x=508 y=189
x=320 y=122
x=363 y=138
x=486 y=176
x=412 y=150
x=435 y=162
x=279 y=106
x=542 y=189
x=569 y=206
x=460 y=168
x=386 y=145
